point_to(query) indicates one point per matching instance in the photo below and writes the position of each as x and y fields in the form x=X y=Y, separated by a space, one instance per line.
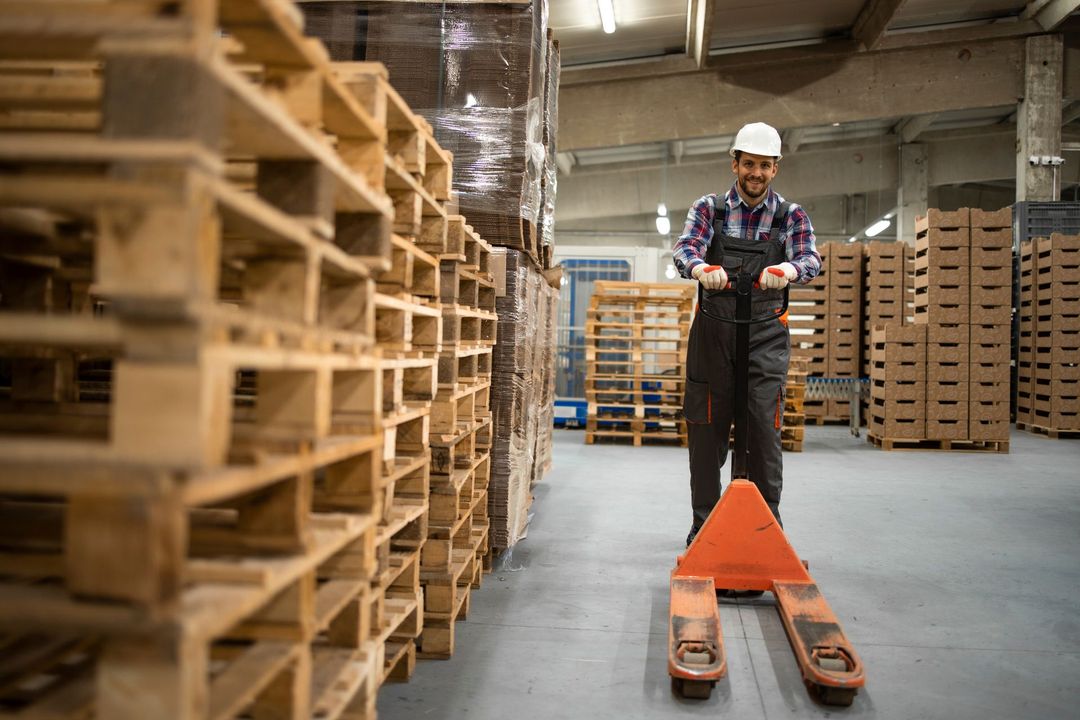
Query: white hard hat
x=757 y=139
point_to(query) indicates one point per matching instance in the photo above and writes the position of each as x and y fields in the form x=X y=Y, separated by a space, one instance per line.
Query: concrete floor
x=955 y=575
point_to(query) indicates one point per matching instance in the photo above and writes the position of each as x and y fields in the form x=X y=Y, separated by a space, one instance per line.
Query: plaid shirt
x=744 y=221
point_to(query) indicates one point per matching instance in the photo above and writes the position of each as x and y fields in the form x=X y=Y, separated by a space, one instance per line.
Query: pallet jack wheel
x=693 y=689
x=829 y=695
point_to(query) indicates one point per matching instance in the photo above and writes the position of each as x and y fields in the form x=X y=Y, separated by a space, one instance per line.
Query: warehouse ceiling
x=653 y=28
x=651 y=109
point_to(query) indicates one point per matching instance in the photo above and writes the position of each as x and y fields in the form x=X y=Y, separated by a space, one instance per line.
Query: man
x=750 y=228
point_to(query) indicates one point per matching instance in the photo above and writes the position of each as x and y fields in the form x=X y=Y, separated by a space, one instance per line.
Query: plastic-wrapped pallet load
x=514 y=416
x=477 y=72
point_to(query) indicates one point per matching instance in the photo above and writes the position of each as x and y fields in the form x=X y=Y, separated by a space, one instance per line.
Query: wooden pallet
x=409 y=271
x=947 y=445
x=276 y=629
x=1055 y=433
x=461 y=367
x=637 y=437
x=404 y=324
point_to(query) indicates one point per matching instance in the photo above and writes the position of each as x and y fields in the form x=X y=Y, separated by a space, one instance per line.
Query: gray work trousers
x=709 y=408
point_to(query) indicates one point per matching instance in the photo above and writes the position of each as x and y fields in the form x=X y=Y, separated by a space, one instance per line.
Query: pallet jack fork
x=742 y=547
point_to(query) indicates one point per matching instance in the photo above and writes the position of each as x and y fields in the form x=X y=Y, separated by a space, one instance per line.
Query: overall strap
x=778 y=220
x=719 y=214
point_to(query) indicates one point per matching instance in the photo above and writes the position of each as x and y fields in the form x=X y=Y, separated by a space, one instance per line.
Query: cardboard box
x=902 y=370
x=947 y=392
x=892 y=390
x=927 y=256
x=987 y=296
x=898 y=428
x=999 y=334
x=947 y=353
x=992 y=372
x=985 y=258
x=954 y=372
x=935 y=218
x=988 y=392
x=989 y=430
x=951 y=334
x=996 y=314
x=990 y=352
x=947 y=409
x=992 y=276
x=946 y=429
x=996 y=238
x=992 y=219
x=898 y=408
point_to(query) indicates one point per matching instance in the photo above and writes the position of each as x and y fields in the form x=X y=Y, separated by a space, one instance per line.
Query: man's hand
x=777 y=277
x=711 y=277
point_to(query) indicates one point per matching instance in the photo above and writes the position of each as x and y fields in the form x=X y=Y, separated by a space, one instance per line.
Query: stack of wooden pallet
x=192 y=488
x=221 y=336
x=1048 y=390
x=454 y=557
x=636 y=336
x=408 y=322
x=794 y=421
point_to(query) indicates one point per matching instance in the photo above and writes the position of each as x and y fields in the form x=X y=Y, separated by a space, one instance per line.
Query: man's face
x=754 y=173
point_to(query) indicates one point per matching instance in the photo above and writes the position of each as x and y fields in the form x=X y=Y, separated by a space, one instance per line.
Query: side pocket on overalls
x=697 y=402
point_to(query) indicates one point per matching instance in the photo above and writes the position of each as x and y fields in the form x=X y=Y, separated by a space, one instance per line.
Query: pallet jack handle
x=742 y=286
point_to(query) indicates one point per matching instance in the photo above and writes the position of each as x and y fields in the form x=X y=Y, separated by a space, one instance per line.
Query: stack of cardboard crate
x=826 y=318
x=962 y=299
x=885 y=289
x=990 y=325
x=808 y=322
x=897 y=382
x=845 y=282
x=1048 y=392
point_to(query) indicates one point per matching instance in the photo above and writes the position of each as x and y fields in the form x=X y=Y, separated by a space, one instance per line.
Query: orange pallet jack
x=742 y=547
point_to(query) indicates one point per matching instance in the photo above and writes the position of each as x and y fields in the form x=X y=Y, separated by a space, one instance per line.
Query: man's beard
x=744 y=185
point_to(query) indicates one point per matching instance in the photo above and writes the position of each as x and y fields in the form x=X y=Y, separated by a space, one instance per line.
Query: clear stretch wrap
x=476 y=71
x=549 y=182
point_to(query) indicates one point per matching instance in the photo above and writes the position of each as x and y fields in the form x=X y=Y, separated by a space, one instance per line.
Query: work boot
x=693 y=534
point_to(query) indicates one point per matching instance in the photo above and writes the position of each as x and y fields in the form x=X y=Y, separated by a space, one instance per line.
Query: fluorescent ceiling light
x=889 y=215
x=877 y=228
x=607 y=15
x=663 y=225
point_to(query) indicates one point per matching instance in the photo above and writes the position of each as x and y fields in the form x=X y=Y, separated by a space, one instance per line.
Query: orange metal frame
x=742 y=547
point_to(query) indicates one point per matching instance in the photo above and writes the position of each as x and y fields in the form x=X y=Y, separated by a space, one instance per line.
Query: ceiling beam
x=791 y=139
x=873 y=21
x=678 y=64
x=818 y=170
x=912 y=127
x=1049 y=13
x=859 y=86
x=699 y=30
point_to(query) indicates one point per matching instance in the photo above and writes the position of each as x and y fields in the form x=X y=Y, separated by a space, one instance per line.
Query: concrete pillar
x=914 y=186
x=1038 y=119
